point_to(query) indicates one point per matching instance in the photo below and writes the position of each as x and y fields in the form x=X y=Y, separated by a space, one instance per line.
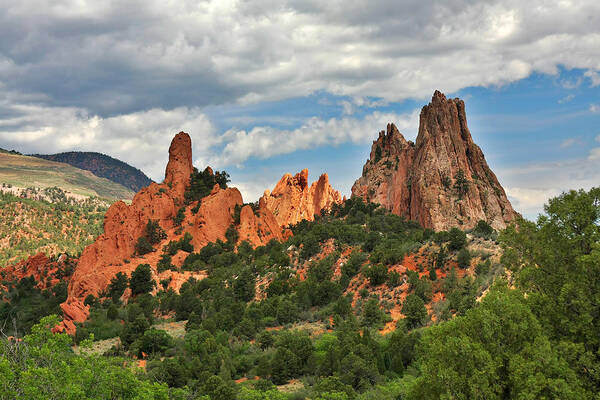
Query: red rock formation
x=292 y=200
x=114 y=250
x=41 y=268
x=419 y=181
x=261 y=226
x=179 y=168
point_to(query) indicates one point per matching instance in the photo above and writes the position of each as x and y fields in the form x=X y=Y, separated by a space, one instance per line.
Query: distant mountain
x=21 y=172
x=103 y=166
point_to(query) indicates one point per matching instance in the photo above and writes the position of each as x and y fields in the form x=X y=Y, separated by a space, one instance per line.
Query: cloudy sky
x=268 y=87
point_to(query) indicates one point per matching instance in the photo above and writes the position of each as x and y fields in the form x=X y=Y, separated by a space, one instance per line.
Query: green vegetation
x=153 y=234
x=309 y=321
x=201 y=183
x=29 y=226
x=461 y=183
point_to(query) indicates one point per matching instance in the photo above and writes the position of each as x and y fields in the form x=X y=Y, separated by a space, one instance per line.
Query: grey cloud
x=123 y=57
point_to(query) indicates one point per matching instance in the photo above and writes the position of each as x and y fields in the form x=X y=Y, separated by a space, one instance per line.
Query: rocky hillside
x=103 y=166
x=442 y=180
x=293 y=200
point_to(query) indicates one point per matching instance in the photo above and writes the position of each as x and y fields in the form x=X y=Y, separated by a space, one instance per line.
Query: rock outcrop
x=206 y=221
x=45 y=271
x=443 y=180
x=292 y=200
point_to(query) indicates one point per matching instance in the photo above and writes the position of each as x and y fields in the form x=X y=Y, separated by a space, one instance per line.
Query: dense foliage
x=306 y=315
x=201 y=183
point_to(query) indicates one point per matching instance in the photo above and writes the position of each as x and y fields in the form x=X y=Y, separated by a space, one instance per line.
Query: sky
x=267 y=87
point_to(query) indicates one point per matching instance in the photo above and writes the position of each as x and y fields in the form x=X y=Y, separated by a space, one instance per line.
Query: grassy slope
x=25 y=171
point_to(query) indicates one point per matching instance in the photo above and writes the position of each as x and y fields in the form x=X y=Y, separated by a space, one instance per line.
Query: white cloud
x=593 y=76
x=594 y=154
x=264 y=142
x=566 y=99
x=570 y=142
x=149 y=54
x=140 y=139
x=530 y=202
x=530 y=186
x=595 y=108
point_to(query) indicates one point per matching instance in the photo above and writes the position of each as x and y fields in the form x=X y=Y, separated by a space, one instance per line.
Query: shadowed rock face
x=292 y=200
x=114 y=250
x=422 y=181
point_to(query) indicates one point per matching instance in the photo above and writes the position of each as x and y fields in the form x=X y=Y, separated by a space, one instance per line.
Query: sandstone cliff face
x=423 y=182
x=114 y=250
x=292 y=200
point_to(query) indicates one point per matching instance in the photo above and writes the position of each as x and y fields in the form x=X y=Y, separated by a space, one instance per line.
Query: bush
x=164 y=263
x=310 y=247
x=376 y=274
x=432 y=274
x=483 y=229
x=143 y=246
x=154 y=233
x=464 y=258
x=201 y=183
x=112 y=313
x=179 y=217
x=414 y=311
x=117 y=286
x=371 y=313
x=393 y=279
x=152 y=341
x=457 y=238
x=141 y=280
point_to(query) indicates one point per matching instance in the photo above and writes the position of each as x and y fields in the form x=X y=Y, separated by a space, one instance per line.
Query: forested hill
x=103 y=166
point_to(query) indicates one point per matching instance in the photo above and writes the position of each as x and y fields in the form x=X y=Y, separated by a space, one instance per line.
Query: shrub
x=164 y=263
x=393 y=279
x=483 y=229
x=152 y=341
x=154 y=233
x=457 y=238
x=376 y=274
x=432 y=274
x=201 y=183
x=141 y=280
x=461 y=183
x=179 y=217
x=371 y=313
x=113 y=312
x=415 y=311
x=143 y=246
x=117 y=286
x=464 y=258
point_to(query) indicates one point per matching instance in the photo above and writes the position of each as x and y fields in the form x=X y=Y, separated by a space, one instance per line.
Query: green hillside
x=24 y=171
x=103 y=166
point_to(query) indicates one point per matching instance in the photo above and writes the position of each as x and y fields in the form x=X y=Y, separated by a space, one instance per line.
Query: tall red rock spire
x=422 y=181
x=179 y=168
